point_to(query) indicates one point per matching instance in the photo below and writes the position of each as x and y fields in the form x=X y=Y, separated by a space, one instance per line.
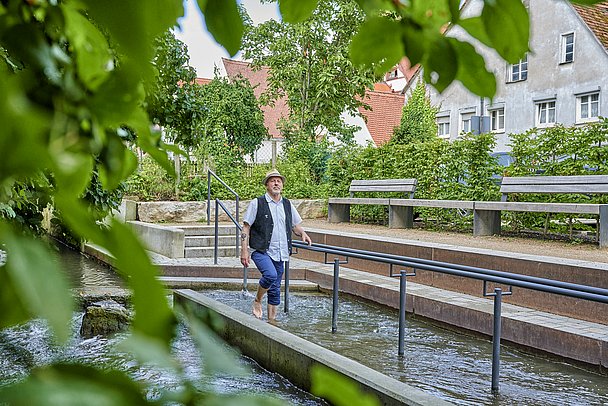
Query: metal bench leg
x=400 y=217
x=486 y=222
x=338 y=213
x=602 y=230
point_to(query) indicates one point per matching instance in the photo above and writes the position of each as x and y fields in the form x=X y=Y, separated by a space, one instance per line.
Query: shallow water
x=449 y=364
x=28 y=346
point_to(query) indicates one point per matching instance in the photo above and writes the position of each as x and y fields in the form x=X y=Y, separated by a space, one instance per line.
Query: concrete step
x=205 y=230
x=191 y=241
x=207 y=252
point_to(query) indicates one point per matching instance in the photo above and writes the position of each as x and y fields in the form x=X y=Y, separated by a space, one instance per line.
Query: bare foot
x=257 y=309
x=273 y=322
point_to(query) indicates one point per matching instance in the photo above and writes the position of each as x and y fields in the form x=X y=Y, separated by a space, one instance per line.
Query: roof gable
x=384 y=116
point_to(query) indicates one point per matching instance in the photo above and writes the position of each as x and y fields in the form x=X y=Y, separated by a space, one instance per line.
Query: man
x=267 y=226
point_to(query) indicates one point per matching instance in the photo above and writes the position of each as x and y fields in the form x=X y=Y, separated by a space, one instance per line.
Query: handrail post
x=402 y=291
x=496 y=339
x=286 y=287
x=209 y=196
x=245 y=279
x=215 y=249
x=334 y=312
x=237 y=228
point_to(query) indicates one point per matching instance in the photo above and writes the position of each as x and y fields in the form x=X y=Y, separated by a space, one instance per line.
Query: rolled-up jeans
x=272 y=273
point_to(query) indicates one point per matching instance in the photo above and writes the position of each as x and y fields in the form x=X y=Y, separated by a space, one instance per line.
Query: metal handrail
x=211 y=174
x=486 y=275
x=218 y=203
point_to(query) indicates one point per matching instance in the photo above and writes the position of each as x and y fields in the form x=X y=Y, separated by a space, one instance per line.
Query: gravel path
x=531 y=245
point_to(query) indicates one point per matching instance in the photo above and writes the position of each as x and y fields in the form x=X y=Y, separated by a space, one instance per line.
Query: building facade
x=563 y=79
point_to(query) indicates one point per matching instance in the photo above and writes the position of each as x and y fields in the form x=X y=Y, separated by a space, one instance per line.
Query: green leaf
x=440 y=64
x=339 y=390
x=295 y=11
x=431 y=14
x=73 y=172
x=91 y=47
x=153 y=316
x=454 y=6
x=224 y=23
x=133 y=26
x=217 y=356
x=507 y=24
x=118 y=162
x=472 y=70
x=67 y=385
x=475 y=27
x=38 y=282
x=148 y=350
x=378 y=44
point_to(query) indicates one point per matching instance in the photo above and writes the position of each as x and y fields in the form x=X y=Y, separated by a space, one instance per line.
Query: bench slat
x=540 y=207
x=562 y=188
x=359 y=200
x=383 y=185
x=446 y=204
x=539 y=180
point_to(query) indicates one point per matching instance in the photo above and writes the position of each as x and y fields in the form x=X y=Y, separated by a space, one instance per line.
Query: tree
x=309 y=65
x=418 y=119
x=173 y=100
x=233 y=122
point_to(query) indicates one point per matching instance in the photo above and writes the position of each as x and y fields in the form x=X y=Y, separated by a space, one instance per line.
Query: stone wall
x=191 y=212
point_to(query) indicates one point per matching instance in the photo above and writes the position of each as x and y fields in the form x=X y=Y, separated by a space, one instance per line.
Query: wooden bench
x=338 y=209
x=486 y=215
x=400 y=211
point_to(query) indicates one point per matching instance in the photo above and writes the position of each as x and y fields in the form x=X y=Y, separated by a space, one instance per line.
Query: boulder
x=104 y=318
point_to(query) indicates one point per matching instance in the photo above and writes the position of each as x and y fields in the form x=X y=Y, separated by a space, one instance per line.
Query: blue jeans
x=272 y=273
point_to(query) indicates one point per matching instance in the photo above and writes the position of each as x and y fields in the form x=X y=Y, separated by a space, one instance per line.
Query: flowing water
x=28 y=346
x=448 y=364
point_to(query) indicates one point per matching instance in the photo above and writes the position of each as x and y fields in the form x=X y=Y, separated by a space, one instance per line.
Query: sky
x=204 y=52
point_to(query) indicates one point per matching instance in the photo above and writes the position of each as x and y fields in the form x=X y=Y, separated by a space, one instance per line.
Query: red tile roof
x=257 y=79
x=202 y=81
x=385 y=114
x=596 y=17
x=386 y=106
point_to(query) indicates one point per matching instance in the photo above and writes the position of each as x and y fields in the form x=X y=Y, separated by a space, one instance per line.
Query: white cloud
x=204 y=52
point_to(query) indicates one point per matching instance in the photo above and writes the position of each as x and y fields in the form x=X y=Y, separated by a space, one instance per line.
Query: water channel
x=28 y=346
x=448 y=364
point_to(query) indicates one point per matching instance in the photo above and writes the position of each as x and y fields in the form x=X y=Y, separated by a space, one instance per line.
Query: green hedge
x=458 y=170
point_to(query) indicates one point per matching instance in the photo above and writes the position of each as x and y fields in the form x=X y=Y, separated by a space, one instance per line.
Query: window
x=587 y=107
x=465 y=122
x=567 y=51
x=519 y=71
x=497 y=120
x=443 y=125
x=545 y=114
x=443 y=130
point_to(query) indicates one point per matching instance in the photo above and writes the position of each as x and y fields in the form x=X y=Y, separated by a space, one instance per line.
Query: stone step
x=209 y=241
x=207 y=252
x=206 y=230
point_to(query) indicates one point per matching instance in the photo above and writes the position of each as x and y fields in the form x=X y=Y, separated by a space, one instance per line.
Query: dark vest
x=261 y=229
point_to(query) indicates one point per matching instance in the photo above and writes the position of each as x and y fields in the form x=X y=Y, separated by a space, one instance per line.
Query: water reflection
x=451 y=365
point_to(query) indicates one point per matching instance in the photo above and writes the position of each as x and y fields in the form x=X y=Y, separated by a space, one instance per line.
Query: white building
x=564 y=79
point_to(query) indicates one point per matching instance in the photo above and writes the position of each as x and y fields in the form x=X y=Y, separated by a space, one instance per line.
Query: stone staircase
x=199 y=241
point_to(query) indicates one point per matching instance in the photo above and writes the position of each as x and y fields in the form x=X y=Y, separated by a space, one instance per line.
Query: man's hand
x=306 y=238
x=245 y=257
